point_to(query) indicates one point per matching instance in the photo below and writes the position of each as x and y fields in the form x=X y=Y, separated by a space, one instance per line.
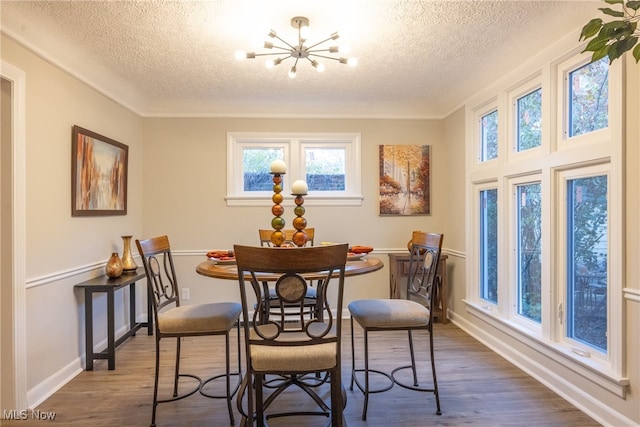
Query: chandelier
x=299 y=51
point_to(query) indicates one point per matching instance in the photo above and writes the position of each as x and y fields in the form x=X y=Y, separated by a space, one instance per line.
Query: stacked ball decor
x=299 y=189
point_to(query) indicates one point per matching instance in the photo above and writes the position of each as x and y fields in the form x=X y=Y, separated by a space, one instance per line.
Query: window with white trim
x=330 y=163
x=561 y=250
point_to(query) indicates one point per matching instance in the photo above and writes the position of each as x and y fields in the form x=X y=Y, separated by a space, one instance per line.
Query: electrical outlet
x=185 y=293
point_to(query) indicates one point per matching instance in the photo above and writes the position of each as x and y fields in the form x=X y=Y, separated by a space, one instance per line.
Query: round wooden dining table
x=229 y=271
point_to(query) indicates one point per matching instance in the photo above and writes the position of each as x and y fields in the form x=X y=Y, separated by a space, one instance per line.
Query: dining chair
x=173 y=320
x=412 y=314
x=311 y=297
x=296 y=348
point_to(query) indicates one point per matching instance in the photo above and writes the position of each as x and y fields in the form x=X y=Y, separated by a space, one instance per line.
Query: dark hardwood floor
x=477 y=388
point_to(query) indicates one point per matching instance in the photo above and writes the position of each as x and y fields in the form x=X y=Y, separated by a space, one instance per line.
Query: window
x=329 y=163
x=489 y=245
x=529 y=124
x=587 y=254
x=588 y=88
x=489 y=136
x=528 y=250
x=549 y=266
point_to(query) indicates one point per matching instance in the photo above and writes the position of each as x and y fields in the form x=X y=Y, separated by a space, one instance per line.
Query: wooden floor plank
x=477 y=388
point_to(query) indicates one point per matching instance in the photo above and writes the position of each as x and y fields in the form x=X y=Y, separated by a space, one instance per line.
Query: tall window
x=548 y=268
x=589 y=98
x=489 y=136
x=489 y=245
x=529 y=235
x=529 y=125
x=587 y=249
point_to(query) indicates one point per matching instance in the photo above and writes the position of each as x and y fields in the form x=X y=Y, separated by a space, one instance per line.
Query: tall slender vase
x=128 y=264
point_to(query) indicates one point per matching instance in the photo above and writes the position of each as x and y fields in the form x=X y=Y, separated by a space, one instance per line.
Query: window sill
x=596 y=371
x=265 y=200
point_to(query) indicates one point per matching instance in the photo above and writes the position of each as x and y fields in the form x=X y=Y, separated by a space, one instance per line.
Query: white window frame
x=606 y=147
x=293 y=145
x=514 y=94
x=488 y=108
x=614 y=322
x=511 y=290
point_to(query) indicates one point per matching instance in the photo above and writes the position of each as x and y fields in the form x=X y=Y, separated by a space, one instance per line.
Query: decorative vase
x=114 y=266
x=128 y=264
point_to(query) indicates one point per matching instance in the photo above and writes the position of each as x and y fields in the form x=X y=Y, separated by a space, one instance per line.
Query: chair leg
x=259 y=381
x=433 y=371
x=337 y=405
x=366 y=375
x=177 y=373
x=228 y=376
x=353 y=357
x=155 y=386
x=413 y=359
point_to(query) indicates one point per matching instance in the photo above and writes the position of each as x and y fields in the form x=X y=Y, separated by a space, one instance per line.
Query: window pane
x=529 y=261
x=489 y=129
x=255 y=167
x=589 y=98
x=489 y=245
x=325 y=169
x=587 y=226
x=529 y=121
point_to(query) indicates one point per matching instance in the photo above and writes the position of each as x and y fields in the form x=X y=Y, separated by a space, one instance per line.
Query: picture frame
x=99 y=169
x=405 y=180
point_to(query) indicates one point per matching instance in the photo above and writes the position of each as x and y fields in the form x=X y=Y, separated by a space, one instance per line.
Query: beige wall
x=61 y=250
x=185 y=186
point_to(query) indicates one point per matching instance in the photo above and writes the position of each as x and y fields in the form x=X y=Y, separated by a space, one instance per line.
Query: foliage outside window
x=529 y=113
x=587 y=249
x=489 y=136
x=489 y=245
x=589 y=98
x=529 y=233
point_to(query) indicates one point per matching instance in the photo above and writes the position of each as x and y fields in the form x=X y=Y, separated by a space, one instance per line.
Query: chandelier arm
x=319 y=43
x=272 y=53
x=323 y=56
x=284 y=41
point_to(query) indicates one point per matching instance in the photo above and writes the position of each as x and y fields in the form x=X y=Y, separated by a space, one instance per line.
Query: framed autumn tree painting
x=405 y=184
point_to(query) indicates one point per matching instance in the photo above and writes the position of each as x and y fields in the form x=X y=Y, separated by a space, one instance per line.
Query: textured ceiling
x=417 y=59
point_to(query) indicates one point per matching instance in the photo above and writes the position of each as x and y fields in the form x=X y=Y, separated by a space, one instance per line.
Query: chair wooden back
x=162 y=283
x=423 y=267
x=265 y=236
x=291 y=266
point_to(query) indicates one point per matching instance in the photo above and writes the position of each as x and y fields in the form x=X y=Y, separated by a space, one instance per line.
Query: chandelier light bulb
x=240 y=55
x=352 y=62
x=269 y=63
x=292 y=72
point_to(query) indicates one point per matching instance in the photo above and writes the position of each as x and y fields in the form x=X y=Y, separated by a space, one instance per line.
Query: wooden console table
x=105 y=284
x=399 y=272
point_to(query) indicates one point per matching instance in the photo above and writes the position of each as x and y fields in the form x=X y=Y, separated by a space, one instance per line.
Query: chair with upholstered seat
x=173 y=320
x=413 y=314
x=291 y=350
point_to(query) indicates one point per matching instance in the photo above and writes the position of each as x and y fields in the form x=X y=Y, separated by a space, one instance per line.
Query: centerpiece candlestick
x=299 y=189
x=278 y=168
